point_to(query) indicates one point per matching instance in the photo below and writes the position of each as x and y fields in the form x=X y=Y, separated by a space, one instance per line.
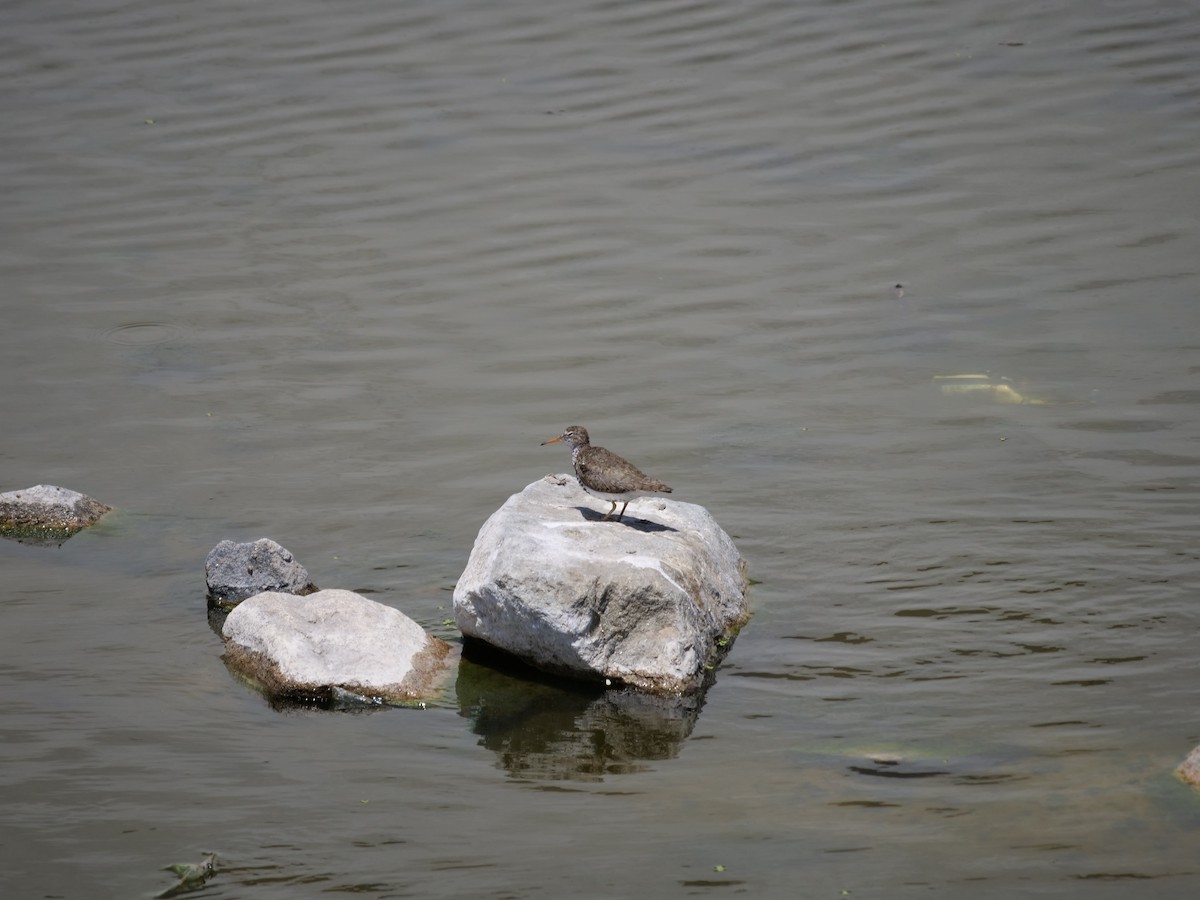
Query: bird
x=605 y=475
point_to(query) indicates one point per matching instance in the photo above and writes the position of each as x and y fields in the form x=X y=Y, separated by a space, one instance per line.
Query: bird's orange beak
x=552 y=440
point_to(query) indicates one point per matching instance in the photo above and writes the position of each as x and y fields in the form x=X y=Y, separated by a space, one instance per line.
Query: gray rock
x=652 y=603
x=326 y=644
x=49 y=512
x=234 y=572
x=1189 y=769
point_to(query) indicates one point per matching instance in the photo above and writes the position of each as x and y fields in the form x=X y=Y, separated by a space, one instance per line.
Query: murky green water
x=329 y=274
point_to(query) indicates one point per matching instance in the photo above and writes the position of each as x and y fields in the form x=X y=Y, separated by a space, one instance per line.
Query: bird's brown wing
x=607 y=472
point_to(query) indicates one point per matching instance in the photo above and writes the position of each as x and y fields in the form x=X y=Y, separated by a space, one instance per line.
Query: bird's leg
x=610 y=510
x=621 y=517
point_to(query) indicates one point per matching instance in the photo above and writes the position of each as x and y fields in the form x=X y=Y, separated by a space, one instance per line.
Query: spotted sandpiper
x=605 y=475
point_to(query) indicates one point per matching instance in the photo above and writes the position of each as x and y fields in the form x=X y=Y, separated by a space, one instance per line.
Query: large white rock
x=308 y=647
x=653 y=602
x=1189 y=769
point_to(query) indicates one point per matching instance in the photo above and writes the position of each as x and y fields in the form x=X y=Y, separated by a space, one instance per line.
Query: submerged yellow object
x=980 y=382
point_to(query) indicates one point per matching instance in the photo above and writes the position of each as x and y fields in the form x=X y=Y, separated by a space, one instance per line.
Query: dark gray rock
x=48 y=513
x=234 y=572
x=329 y=644
x=650 y=603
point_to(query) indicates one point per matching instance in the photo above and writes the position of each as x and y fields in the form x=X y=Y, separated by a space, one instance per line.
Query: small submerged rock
x=193 y=873
x=234 y=572
x=648 y=604
x=324 y=646
x=45 y=513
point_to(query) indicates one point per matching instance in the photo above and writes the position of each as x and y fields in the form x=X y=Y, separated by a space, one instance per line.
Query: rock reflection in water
x=557 y=730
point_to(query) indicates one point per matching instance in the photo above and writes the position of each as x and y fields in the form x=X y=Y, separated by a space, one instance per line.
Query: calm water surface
x=329 y=273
